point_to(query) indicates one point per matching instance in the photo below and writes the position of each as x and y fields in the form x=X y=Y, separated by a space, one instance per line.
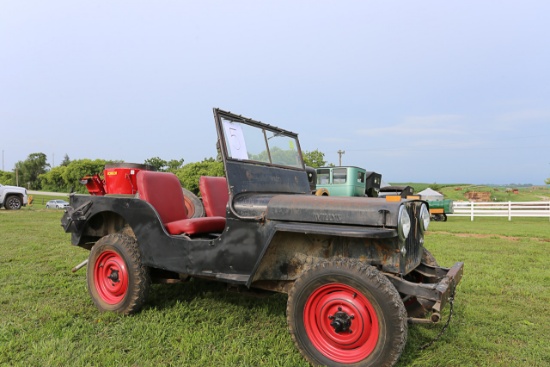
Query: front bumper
x=436 y=289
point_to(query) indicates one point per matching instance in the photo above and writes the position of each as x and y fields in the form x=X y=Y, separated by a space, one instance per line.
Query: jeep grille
x=415 y=240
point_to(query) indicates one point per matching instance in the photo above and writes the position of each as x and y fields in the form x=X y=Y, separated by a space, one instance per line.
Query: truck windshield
x=259 y=144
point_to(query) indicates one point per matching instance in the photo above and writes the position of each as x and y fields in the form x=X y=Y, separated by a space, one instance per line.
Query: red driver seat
x=215 y=195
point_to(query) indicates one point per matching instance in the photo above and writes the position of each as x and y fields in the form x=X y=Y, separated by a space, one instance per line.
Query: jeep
x=355 y=269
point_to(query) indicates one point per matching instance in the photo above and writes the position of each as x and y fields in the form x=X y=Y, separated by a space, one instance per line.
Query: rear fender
x=91 y=217
x=99 y=225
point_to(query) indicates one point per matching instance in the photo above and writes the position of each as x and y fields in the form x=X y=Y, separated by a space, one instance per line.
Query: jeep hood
x=334 y=210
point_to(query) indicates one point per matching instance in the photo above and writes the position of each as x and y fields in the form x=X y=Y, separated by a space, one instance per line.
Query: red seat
x=163 y=191
x=215 y=195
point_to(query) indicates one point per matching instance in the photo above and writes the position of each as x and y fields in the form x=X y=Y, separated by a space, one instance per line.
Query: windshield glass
x=255 y=143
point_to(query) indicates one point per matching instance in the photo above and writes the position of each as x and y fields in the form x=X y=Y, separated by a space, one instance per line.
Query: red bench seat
x=163 y=191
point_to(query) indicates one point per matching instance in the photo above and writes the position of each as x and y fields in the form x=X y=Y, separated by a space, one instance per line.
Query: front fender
x=291 y=248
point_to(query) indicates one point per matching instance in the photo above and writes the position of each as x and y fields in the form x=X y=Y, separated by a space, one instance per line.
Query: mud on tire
x=343 y=312
x=117 y=280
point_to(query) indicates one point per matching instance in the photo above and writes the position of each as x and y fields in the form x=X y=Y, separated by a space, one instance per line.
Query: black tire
x=322 y=192
x=344 y=312
x=117 y=280
x=13 y=202
x=193 y=204
x=439 y=217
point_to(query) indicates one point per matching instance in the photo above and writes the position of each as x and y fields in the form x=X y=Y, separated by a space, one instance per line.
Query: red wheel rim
x=111 y=277
x=190 y=207
x=358 y=340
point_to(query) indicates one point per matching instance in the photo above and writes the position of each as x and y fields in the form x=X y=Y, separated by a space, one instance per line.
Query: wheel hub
x=341 y=321
x=114 y=276
x=111 y=277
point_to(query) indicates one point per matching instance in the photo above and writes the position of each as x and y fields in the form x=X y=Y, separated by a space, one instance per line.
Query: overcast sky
x=421 y=91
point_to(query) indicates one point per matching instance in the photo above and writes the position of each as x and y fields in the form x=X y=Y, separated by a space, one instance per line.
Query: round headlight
x=424 y=217
x=404 y=223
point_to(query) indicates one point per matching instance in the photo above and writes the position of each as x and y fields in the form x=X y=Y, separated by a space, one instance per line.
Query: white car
x=56 y=204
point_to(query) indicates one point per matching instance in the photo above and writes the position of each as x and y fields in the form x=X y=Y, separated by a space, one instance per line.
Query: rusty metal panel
x=337 y=210
x=337 y=230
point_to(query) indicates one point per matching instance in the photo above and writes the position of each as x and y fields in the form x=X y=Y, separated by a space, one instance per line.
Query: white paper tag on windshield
x=235 y=140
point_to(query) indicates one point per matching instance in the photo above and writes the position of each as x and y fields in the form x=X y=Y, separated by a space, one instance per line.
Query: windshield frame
x=263 y=143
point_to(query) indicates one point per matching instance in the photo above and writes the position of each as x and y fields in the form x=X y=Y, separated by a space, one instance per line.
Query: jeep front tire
x=343 y=312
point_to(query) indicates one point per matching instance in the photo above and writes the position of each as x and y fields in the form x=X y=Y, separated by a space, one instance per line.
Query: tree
x=53 y=180
x=7 y=178
x=157 y=163
x=161 y=165
x=547 y=181
x=80 y=168
x=174 y=165
x=66 y=160
x=29 y=170
x=314 y=158
x=190 y=173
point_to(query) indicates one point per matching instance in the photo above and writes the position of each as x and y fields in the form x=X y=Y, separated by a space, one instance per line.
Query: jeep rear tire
x=347 y=313
x=117 y=280
x=13 y=202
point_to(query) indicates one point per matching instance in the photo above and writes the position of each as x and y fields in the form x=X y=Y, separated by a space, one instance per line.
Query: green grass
x=47 y=318
x=535 y=193
x=497 y=226
x=502 y=305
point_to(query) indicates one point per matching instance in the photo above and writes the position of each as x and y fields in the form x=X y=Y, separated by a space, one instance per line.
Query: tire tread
x=128 y=248
x=373 y=277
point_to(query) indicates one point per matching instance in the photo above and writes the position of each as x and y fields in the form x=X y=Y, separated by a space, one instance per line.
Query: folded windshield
x=260 y=144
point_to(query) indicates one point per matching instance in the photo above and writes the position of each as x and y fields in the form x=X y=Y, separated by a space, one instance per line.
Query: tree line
x=35 y=173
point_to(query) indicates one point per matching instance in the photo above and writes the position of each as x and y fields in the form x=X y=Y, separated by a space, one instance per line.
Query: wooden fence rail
x=501 y=209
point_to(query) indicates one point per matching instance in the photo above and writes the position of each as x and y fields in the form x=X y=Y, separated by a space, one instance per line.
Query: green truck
x=347 y=181
x=355 y=181
x=440 y=208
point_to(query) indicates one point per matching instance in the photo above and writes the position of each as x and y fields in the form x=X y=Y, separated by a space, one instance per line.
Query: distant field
x=47 y=318
x=458 y=191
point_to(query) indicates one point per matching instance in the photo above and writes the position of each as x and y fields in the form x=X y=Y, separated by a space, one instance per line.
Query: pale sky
x=421 y=91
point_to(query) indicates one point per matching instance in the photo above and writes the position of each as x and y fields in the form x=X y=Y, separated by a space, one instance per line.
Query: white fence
x=501 y=209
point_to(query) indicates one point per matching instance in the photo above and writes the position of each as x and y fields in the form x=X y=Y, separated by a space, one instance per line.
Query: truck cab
x=348 y=181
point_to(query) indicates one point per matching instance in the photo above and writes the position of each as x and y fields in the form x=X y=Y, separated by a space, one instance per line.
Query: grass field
x=501 y=314
x=457 y=192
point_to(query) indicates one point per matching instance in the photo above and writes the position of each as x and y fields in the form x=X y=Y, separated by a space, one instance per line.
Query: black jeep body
x=355 y=268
